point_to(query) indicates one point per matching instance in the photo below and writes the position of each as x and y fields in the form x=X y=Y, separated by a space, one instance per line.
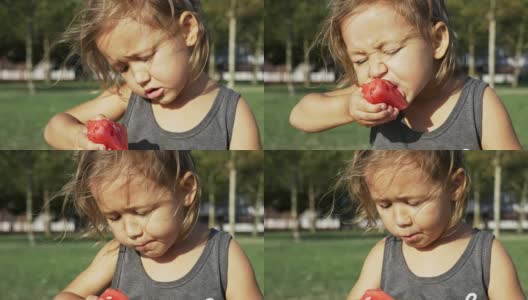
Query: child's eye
x=384 y=205
x=121 y=69
x=393 y=51
x=414 y=203
x=360 y=62
x=113 y=218
x=142 y=212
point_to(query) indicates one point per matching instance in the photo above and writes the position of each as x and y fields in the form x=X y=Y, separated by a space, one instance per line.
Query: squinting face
x=381 y=44
x=153 y=65
x=139 y=214
x=410 y=206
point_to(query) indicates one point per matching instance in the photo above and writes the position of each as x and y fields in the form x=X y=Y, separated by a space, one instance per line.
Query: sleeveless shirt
x=212 y=133
x=206 y=280
x=461 y=130
x=468 y=279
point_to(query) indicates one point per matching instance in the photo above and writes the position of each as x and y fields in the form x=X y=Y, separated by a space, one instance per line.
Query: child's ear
x=440 y=38
x=459 y=184
x=189 y=188
x=189 y=28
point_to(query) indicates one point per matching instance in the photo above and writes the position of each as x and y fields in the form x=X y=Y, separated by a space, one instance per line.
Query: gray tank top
x=212 y=133
x=468 y=279
x=461 y=130
x=206 y=280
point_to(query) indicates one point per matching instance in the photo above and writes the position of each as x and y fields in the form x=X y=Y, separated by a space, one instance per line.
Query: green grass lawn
x=280 y=135
x=23 y=117
x=325 y=266
x=40 y=272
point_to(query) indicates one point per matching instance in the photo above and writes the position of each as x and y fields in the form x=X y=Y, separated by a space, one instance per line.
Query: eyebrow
x=380 y=45
x=399 y=198
x=134 y=55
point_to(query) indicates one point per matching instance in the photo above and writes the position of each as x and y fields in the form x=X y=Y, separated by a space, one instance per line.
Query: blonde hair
x=422 y=14
x=439 y=166
x=95 y=16
x=165 y=168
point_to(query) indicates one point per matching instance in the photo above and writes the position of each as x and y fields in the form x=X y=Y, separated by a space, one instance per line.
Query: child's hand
x=92 y=297
x=368 y=114
x=82 y=142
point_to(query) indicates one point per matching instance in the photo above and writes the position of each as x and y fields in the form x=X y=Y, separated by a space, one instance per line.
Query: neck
x=198 y=235
x=193 y=89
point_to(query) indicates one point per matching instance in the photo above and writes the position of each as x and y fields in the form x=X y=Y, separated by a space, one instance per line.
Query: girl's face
x=153 y=65
x=140 y=214
x=382 y=44
x=410 y=206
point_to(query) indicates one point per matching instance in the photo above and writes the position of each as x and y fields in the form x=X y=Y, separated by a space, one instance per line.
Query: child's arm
x=67 y=130
x=241 y=281
x=504 y=283
x=245 y=130
x=318 y=112
x=497 y=129
x=96 y=278
x=370 y=277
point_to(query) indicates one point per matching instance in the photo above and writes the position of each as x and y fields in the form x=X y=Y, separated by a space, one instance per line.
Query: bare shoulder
x=497 y=128
x=370 y=276
x=246 y=134
x=98 y=276
x=504 y=283
x=241 y=281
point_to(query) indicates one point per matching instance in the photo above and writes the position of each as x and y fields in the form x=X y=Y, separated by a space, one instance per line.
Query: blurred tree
x=319 y=171
x=251 y=180
x=251 y=30
x=51 y=19
x=280 y=27
x=31 y=172
x=468 y=21
x=282 y=170
x=512 y=22
x=232 y=17
x=480 y=173
x=308 y=15
x=212 y=166
x=22 y=17
x=216 y=19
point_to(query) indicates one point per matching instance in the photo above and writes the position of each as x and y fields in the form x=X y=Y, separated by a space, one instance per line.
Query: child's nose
x=132 y=227
x=377 y=67
x=402 y=216
x=141 y=75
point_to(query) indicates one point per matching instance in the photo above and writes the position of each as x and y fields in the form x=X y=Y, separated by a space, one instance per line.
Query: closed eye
x=392 y=51
x=113 y=218
x=384 y=205
x=360 y=62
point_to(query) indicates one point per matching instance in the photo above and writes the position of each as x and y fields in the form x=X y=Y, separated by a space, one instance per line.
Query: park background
x=311 y=254
x=30 y=29
x=43 y=247
x=292 y=71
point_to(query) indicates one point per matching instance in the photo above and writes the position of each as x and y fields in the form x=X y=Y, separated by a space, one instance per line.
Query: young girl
x=420 y=197
x=150 y=56
x=149 y=200
x=410 y=44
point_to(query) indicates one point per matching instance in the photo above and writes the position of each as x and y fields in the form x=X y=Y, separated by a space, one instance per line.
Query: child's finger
x=100 y=117
x=372 y=108
x=376 y=116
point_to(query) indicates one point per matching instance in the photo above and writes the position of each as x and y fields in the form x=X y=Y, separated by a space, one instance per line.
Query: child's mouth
x=410 y=238
x=154 y=93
